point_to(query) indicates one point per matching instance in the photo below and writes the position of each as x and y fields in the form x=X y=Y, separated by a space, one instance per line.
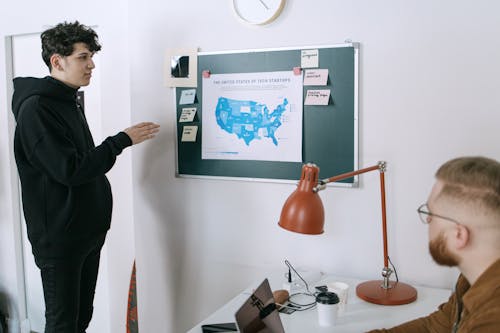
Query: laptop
x=258 y=314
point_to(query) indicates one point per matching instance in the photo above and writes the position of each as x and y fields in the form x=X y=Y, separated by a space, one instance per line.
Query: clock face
x=258 y=11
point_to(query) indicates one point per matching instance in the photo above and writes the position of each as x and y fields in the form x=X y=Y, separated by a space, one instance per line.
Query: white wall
x=428 y=81
x=429 y=73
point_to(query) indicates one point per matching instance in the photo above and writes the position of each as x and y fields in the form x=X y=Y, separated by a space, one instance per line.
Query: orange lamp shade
x=303 y=211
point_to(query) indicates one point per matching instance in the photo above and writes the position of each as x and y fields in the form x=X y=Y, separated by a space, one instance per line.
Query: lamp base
x=399 y=293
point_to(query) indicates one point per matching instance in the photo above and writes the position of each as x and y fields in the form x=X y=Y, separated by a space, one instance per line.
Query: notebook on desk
x=258 y=314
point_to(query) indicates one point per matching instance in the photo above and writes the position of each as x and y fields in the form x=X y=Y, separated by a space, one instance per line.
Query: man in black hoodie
x=66 y=196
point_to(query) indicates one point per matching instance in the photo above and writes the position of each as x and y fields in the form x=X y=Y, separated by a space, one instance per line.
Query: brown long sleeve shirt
x=473 y=308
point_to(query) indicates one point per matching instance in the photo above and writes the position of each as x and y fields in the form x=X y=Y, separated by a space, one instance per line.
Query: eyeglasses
x=425 y=215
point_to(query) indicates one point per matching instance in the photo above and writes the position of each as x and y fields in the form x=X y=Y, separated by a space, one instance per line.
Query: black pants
x=69 y=286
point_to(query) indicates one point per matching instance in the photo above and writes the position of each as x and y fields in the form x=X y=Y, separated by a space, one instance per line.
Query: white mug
x=341 y=289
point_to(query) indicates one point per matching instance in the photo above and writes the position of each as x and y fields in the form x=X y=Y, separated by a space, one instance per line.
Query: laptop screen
x=259 y=314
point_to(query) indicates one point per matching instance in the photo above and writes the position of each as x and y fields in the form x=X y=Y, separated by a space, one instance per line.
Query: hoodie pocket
x=60 y=208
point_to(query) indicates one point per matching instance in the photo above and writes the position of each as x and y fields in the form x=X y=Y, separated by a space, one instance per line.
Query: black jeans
x=69 y=286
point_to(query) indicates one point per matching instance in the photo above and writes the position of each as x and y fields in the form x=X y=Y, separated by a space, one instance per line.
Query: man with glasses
x=463 y=215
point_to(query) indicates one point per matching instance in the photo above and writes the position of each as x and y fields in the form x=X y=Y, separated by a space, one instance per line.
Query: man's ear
x=461 y=236
x=56 y=62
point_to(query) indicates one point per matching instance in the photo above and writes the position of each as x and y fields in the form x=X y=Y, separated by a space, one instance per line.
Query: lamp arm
x=382 y=167
x=386 y=269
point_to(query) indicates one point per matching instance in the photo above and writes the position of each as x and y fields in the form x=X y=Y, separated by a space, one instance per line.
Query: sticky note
x=316 y=77
x=187 y=115
x=189 y=133
x=309 y=58
x=317 y=97
x=187 y=96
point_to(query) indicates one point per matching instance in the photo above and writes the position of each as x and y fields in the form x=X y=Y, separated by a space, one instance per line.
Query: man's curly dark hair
x=60 y=40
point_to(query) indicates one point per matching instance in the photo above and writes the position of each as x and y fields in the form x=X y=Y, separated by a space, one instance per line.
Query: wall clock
x=258 y=11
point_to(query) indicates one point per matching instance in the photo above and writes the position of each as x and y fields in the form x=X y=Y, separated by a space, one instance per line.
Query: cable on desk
x=302 y=307
x=299 y=306
x=393 y=268
x=289 y=277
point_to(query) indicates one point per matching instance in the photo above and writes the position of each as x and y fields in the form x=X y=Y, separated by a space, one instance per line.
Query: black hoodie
x=67 y=198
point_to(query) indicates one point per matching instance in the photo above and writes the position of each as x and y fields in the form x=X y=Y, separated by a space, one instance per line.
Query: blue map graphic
x=248 y=119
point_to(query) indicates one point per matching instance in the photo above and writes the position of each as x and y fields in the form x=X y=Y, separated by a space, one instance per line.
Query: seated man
x=463 y=214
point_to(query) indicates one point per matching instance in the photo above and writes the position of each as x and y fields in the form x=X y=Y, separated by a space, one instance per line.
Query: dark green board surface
x=329 y=132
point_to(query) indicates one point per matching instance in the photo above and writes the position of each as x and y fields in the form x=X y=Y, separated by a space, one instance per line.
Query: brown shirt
x=478 y=305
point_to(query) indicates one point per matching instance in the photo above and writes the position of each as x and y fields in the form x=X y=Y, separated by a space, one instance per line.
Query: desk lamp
x=303 y=213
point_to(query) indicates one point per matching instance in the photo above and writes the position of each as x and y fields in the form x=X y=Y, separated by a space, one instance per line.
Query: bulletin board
x=329 y=132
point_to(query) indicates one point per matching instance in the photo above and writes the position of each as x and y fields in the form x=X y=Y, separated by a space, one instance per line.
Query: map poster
x=252 y=116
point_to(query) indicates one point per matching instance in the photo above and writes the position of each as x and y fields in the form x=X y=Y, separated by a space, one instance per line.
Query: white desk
x=360 y=316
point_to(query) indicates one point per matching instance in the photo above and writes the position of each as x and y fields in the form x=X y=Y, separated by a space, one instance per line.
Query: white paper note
x=317 y=97
x=316 y=77
x=187 y=96
x=187 y=115
x=309 y=58
x=189 y=133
